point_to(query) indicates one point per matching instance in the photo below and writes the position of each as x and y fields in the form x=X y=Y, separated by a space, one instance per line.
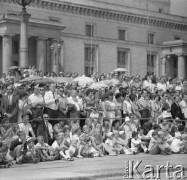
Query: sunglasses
x=41 y=89
x=46 y=117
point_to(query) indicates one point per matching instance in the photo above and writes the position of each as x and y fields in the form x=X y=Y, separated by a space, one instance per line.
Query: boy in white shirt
x=156 y=146
x=137 y=144
x=124 y=142
x=75 y=143
x=178 y=146
x=59 y=147
x=111 y=142
x=47 y=152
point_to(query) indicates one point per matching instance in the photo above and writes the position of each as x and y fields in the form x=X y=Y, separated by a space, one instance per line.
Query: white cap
x=29 y=139
x=115 y=132
x=178 y=134
x=160 y=132
x=127 y=119
x=121 y=132
x=109 y=134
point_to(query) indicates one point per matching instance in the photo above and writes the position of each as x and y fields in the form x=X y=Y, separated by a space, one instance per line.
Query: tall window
x=15 y=46
x=90 y=59
x=122 y=34
x=151 y=64
x=177 y=38
x=151 y=38
x=122 y=57
x=160 y=10
x=90 y=30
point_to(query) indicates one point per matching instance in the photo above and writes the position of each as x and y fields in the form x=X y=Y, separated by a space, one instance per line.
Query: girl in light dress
x=119 y=105
x=135 y=109
x=127 y=107
x=121 y=140
x=75 y=143
x=110 y=108
x=156 y=107
x=23 y=106
x=105 y=128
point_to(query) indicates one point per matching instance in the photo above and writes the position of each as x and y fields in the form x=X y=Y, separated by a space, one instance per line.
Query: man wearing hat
x=9 y=105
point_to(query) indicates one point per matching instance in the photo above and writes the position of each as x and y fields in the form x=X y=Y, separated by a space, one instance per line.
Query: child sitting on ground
x=137 y=144
x=47 y=153
x=59 y=146
x=110 y=141
x=178 y=146
x=165 y=143
x=5 y=162
x=124 y=142
x=156 y=145
x=31 y=154
x=85 y=141
x=144 y=138
x=75 y=144
x=117 y=143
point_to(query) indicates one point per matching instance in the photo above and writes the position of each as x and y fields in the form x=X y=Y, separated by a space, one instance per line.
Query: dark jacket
x=10 y=109
x=176 y=111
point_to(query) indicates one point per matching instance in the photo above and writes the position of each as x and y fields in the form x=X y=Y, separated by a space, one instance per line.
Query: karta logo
x=168 y=171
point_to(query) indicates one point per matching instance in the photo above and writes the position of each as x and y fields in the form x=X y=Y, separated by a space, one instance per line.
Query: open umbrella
x=83 y=80
x=120 y=70
x=30 y=79
x=64 y=80
x=98 y=85
x=45 y=80
x=114 y=82
x=13 y=67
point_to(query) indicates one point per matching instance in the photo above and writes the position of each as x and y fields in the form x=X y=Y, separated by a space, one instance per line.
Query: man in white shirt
x=37 y=102
x=183 y=105
x=162 y=85
x=51 y=102
x=75 y=103
x=26 y=126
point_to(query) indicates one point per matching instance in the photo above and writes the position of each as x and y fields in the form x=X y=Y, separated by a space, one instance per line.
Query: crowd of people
x=50 y=121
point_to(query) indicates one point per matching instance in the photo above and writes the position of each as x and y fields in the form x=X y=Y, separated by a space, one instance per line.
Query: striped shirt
x=143 y=103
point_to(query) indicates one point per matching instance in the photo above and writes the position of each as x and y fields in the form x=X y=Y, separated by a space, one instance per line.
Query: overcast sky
x=179 y=7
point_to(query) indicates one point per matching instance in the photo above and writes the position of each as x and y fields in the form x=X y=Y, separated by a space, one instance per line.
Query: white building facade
x=88 y=36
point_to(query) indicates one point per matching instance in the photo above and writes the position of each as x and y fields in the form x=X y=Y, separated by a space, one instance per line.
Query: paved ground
x=105 y=168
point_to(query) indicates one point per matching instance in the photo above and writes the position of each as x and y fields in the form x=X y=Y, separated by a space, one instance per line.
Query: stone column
x=128 y=64
x=97 y=59
x=163 y=66
x=181 y=66
x=56 y=48
x=96 y=63
x=54 y=57
x=61 y=57
x=41 y=54
x=157 y=65
x=23 y=61
x=7 y=53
